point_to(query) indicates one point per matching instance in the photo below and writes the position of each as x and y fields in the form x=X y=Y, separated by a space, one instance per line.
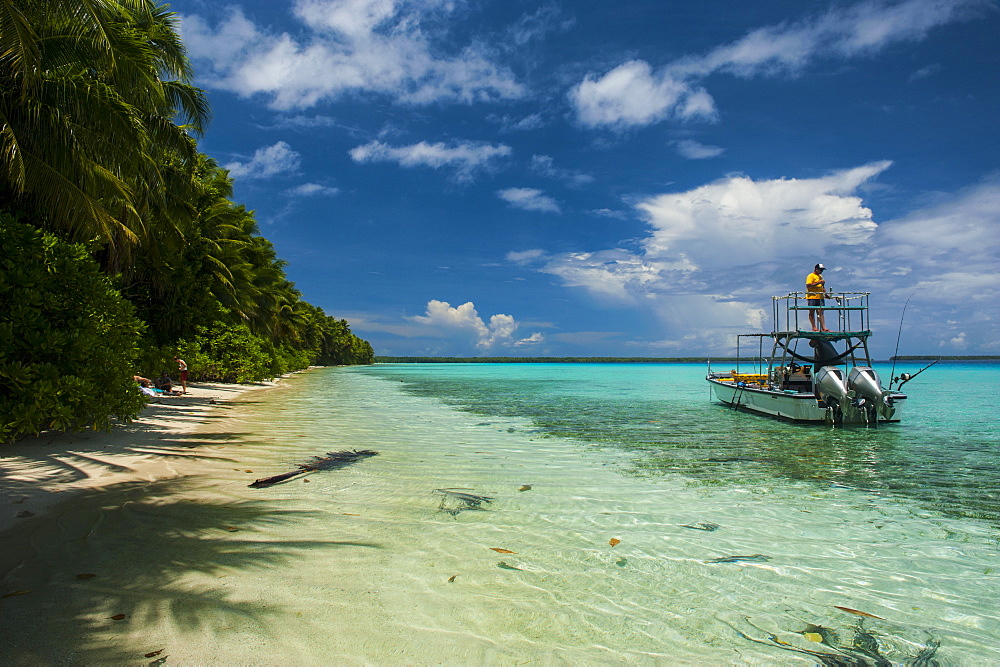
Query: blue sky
x=633 y=178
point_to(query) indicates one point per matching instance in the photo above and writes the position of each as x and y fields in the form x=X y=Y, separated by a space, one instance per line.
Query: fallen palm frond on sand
x=332 y=461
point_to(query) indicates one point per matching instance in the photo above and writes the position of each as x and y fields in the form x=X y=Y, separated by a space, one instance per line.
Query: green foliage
x=224 y=352
x=155 y=359
x=67 y=338
x=340 y=347
x=285 y=359
x=97 y=118
x=228 y=353
x=90 y=96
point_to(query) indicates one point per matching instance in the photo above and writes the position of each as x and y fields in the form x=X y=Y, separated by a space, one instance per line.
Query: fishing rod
x=906 y=377
x=898 y=334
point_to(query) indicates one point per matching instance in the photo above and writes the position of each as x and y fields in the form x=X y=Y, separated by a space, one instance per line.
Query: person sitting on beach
x=164 y=383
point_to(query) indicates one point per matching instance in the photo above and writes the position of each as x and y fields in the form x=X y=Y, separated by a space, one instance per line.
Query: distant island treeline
x=941 y=357
x=635 y=360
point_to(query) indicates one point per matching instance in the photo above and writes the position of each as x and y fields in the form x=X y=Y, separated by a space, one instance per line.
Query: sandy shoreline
x=39 y=473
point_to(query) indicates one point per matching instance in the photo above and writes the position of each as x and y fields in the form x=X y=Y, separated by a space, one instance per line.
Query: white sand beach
x=63 y=494
x=41 y=472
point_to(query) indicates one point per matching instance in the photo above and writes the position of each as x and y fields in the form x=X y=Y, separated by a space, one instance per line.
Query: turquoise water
x=611 y=514
x=945 y=454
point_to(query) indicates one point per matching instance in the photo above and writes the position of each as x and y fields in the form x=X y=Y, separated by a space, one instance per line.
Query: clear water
x=638 y=521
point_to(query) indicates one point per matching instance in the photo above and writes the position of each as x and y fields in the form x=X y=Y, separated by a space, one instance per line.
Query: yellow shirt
x=814 y=286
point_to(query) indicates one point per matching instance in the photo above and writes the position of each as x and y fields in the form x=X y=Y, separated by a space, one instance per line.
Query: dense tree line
x=121 y=243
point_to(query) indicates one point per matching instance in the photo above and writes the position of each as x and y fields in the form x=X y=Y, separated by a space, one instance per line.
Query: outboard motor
x=864 y=381
x=830 y=381
x=832 y=390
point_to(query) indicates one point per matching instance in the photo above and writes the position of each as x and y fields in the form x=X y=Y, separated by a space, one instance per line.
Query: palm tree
x=95 y=101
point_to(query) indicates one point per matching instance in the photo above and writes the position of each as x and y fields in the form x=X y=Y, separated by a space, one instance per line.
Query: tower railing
x=849 y=310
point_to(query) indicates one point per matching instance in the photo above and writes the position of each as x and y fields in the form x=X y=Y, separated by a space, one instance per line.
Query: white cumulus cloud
x=711 y=252
x=382 y=47
x=634 y=94
x=959 y=342
x=533 y=339
x=740 y=220
x=266 y=162
x=465 y=157
x=529 y=199
x=464 y=319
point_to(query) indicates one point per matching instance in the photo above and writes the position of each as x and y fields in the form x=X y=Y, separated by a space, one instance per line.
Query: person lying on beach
x=143 y=382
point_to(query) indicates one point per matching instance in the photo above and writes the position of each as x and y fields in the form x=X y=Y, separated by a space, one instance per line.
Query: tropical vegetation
x=122 y=246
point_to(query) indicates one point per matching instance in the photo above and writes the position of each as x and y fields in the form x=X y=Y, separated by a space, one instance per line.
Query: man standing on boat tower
x=815 y=291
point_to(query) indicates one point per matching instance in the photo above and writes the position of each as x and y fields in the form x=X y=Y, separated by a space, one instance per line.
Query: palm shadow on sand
x=137 y=557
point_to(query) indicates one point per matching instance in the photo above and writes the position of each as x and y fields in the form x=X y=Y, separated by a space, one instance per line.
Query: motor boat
x=812 y=376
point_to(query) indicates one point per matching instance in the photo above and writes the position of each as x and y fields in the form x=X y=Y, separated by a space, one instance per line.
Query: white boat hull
x=795 y=406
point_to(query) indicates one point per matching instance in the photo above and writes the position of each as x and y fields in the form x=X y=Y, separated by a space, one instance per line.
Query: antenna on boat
x=892 y=373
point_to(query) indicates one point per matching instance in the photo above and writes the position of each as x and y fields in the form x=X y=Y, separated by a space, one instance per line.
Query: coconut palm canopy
x=96 y=106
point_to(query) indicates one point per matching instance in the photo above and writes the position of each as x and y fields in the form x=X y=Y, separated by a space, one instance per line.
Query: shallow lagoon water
x=737 y=538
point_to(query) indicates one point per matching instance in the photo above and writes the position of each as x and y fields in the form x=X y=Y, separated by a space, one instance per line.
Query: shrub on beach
x=155 y=359
x=285 y=359
x=223 y=352
x=228 y=353
x=67 y=338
